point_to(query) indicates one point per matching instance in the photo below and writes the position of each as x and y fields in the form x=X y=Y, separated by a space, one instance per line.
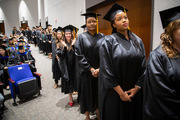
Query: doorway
x=24 y=24
x=2 y=28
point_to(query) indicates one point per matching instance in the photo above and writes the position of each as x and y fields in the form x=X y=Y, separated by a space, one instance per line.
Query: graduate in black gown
x=56 y=45
x=162 y=92
x=4 y=56
x=28 y=34
x=49 y=40
x=34 y=36
x=67 y=63
x=44 y=41
x=87 y=53
x=122 y=70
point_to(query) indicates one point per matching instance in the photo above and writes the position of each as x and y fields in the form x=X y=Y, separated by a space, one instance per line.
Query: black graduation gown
x=87 y=53
x=162 y=93
x=55 y=63
x=34 y=37
x=121 y=63
x=49 y=46
x=3 y=72
x=67 y=58
x=44 y=44
x=29 y=33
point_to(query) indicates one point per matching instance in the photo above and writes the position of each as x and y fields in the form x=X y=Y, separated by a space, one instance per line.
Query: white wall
x=9 y=13
x=66 y=12
x=160 y=5
x=29 y=10
x=41 y=12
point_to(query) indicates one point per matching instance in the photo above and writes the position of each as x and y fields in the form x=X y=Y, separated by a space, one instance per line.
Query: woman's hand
x=50 y=42
x=73 y=41
x=124 y=97
x=57 y=57
x=64 y=43
x=132 y=92
x=5 y=68
x=96 y=73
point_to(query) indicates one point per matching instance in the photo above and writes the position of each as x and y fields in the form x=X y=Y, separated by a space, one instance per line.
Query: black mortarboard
x=21 y=38
x=3 y=47
x=169 y=15
x=74 y=28
x=20 y=47
x=49 y=25
x=54 y=29
x=84 y=27
x=68 y=28
x=4 y=41
x=43 y=29
x=90 y=14
x=113 y=11
x=11 y=38
x=58 y=29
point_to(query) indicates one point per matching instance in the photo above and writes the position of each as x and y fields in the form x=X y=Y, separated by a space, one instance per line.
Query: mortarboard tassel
x=73 y=32
x=126 y=13
x=97 y=23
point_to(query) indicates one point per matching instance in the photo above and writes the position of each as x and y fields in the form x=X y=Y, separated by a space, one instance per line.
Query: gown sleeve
x=158 y=86
x=84 y=65
x=142 y=68
x=107 y=71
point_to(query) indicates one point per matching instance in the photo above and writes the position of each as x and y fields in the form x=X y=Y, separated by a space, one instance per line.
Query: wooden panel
x=2 y=29
x=139 y=14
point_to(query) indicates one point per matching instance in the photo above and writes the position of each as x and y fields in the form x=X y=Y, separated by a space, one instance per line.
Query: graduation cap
x=20 y=47
x=21 y=38
x=74 y=28
x=49 y=25
x=84 y=27
x=169 y=15
x=43 y=29
x=68 y=28
x=3 y=47
x=59 y=29
x=54 y=29
x=11 y=38
x=92 y=14
x=4 y=41
x=113 y=11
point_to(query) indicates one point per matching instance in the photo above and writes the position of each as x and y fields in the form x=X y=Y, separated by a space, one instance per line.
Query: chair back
x=20 y=72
